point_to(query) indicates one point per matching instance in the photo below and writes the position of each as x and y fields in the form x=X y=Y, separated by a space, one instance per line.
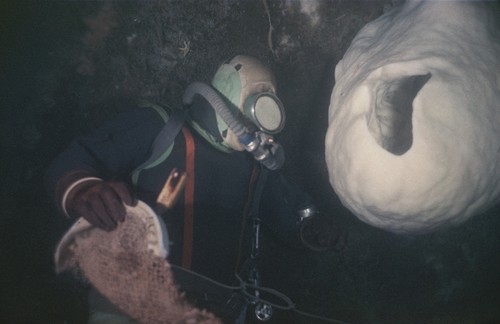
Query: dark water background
x=60 y=78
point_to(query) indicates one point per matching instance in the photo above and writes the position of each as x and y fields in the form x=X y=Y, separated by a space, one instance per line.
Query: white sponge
x=413 y=142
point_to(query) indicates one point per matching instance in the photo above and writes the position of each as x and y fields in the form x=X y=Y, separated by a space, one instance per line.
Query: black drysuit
x=221 y=180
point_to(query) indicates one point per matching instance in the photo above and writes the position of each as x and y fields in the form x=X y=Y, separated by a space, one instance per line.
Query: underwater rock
x=413 y=141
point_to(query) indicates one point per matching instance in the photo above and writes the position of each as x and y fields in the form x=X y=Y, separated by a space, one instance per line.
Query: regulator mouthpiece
x=266 y=150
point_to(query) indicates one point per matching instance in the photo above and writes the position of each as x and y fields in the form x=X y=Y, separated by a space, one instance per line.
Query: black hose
x=215 y=100
x=271 y=155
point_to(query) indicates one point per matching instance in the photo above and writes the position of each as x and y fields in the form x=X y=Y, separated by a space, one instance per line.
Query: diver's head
x=250 y=87
x=247 y=88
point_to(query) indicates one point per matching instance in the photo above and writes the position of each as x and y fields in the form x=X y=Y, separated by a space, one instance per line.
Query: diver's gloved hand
x=320 y=233
x=101 y=203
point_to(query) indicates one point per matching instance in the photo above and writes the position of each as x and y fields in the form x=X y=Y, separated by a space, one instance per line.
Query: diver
x=223 y=140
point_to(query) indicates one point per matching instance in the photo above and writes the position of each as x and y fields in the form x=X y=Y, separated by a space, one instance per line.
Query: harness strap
x=163 y=143
x=246 y=211
x=188 y=200
x=251 y=189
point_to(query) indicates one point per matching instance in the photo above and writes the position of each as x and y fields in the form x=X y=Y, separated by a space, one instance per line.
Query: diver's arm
x=90 y=176
x=281 y=201
x=290 y=213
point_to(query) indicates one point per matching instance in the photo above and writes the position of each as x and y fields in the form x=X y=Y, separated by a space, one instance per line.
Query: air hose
x=262 y=146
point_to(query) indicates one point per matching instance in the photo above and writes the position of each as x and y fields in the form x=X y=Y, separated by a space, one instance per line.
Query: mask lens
x=267 y=112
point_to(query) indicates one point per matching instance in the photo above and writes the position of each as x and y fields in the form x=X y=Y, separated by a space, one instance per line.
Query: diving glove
x=100 y=202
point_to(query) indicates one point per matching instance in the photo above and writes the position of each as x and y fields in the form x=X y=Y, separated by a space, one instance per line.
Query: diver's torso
x=221 y=183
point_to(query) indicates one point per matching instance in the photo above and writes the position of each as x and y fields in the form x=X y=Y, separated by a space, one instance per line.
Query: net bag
x=128 y=266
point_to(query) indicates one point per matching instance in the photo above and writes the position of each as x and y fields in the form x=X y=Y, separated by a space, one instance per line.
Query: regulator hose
x=262 y=146
x=220 y=107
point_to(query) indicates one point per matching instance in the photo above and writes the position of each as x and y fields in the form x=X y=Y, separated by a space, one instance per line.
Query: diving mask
x=266 y=111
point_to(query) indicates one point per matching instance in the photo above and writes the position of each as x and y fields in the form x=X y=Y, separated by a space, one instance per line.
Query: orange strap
x=188 y=200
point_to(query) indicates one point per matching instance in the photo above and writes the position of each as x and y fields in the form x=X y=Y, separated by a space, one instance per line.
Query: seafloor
x=66 y=65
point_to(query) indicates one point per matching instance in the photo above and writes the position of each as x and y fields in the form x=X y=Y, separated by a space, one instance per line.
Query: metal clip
x=174 y=185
